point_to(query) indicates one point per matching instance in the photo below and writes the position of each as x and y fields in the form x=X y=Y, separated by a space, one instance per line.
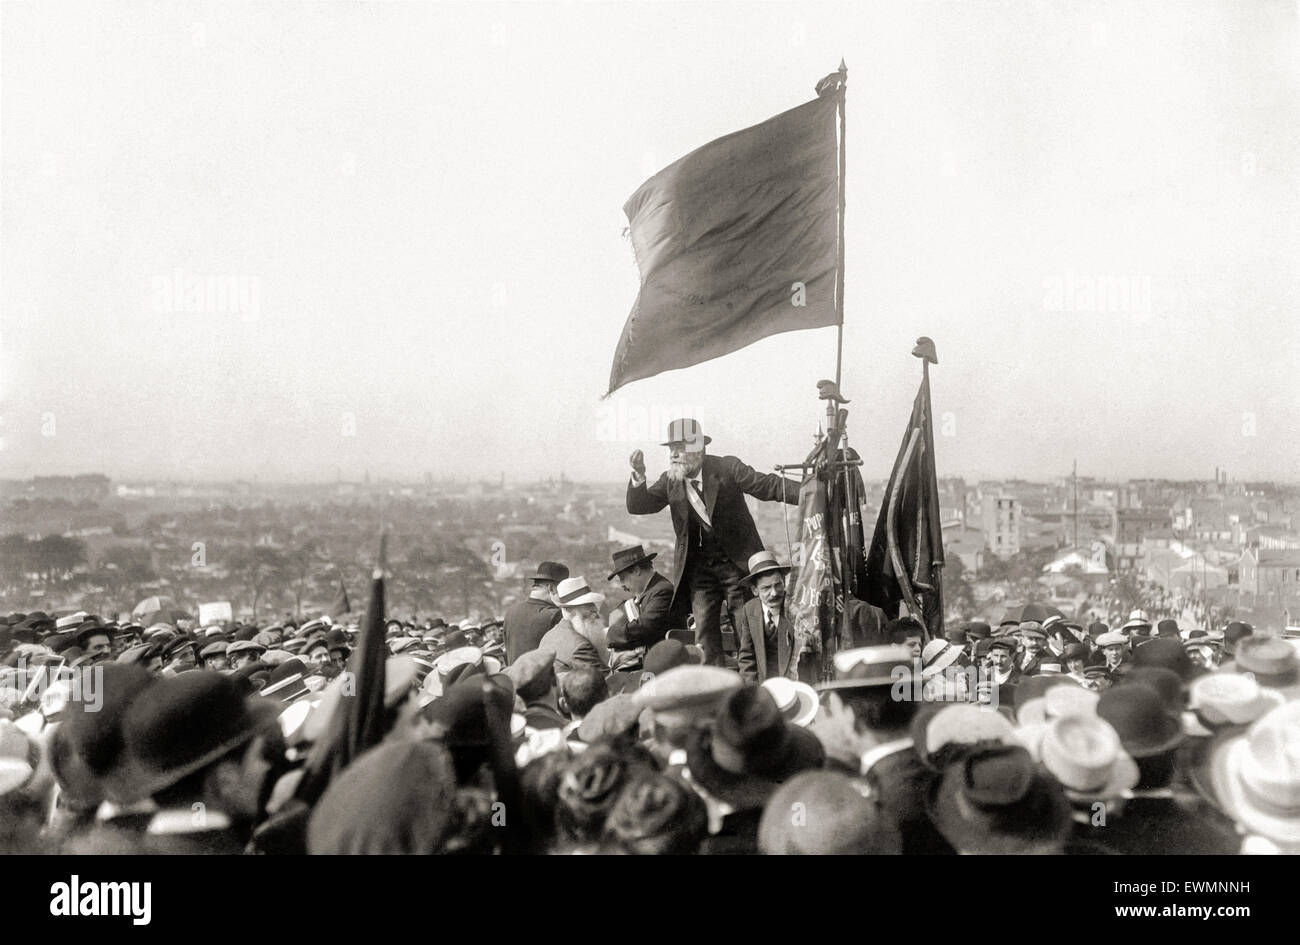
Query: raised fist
x=637 y=459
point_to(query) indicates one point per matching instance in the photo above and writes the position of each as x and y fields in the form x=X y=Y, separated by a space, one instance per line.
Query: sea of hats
x=1040 y=735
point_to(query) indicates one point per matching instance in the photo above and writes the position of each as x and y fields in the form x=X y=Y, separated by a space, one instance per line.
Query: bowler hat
x=626 y=558
x=1168 y=653
x=1146 y=726
x=686 y=431
x=551 y=571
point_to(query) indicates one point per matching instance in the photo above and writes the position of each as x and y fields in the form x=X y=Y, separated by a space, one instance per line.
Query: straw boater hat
x=1137 y=618
x=867 y=667
x=763 y=562
x=1084 y=753
x=1256 y=776
x=938 y=655
x=797 y=701
x=575 y=592
x=1226 y=699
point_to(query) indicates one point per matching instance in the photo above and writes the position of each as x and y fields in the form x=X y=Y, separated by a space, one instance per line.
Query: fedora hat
x=1084 y=753
x=761 y=563
x=180 y=725
x=625 y=558
x=866 y=667
x=995 y=800
x=1255 y=776
x=551 y=571
x=797 y=701
x=574 y=592
x=686 y=431
x=750 y=750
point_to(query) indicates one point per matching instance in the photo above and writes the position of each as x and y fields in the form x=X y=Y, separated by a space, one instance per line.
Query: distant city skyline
x=281 y=240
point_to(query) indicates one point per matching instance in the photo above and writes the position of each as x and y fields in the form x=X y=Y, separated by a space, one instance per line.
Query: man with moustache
x=716 y=535
x=764 y=632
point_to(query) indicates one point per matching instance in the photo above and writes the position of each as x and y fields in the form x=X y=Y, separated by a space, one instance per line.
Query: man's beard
x=680 y=471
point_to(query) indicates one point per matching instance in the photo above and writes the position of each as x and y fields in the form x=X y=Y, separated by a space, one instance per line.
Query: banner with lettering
x=812 y=610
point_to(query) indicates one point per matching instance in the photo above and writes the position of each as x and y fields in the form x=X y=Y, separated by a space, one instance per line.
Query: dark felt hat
x=626 y=558
x=551 y=571
x=750 y=750
x=996 y=800
x=178 y=726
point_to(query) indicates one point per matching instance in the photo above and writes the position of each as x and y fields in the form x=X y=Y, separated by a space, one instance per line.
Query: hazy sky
x=418 y=211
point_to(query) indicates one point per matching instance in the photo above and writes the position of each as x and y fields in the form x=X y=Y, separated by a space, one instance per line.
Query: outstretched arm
x=769 y=487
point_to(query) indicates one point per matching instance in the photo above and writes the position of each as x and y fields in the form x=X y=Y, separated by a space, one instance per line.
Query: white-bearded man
x=716 y=535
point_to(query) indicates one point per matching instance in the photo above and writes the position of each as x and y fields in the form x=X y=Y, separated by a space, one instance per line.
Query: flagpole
x=839 y=269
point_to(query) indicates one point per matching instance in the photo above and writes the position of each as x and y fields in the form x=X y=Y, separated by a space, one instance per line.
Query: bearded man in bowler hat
x=716 y=535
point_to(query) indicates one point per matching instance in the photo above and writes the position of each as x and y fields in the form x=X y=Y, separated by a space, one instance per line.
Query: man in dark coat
x=641 y=622
x=716 y=535
x=867 y=730
x=528 y=620
x=764 y=631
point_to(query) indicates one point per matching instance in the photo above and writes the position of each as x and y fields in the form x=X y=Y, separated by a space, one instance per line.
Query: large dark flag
x=736 y=241
x=357 y=723
x=905 y=561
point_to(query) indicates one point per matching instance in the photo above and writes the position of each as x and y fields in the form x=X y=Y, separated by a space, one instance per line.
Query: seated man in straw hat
x=571 y=640
x=764 y=631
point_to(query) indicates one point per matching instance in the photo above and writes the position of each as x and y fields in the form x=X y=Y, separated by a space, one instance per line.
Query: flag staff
x=842 y=81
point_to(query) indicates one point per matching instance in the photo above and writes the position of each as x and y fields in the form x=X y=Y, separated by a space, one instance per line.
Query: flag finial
x=925 y=350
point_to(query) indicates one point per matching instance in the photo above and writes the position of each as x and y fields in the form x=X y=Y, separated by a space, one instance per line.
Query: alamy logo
x=102 y=899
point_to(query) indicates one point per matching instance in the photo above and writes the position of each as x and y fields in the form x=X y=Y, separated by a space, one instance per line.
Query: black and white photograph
x=651 y=428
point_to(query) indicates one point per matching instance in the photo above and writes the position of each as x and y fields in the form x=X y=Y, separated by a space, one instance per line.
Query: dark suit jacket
x=900 y=783
x=751 y=655
x=865 y=626
x=571 y=649
x=525 y=625
x=655 y=604
x=726 y=481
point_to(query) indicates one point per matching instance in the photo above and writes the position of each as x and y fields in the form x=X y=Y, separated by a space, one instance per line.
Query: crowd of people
x=571 y=727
